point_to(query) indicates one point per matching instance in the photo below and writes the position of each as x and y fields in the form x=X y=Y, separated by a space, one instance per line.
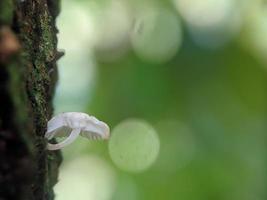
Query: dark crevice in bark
x=27 y=82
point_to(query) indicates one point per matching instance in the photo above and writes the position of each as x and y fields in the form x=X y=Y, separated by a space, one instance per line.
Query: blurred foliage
x=207 y=102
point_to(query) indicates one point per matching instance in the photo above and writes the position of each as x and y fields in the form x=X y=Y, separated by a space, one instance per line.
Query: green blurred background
x=193 y=71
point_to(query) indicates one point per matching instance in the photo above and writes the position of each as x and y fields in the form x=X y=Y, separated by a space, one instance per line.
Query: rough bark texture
x=28 y=76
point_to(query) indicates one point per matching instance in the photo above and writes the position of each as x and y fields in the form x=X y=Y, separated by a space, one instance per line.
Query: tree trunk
x=28 y=75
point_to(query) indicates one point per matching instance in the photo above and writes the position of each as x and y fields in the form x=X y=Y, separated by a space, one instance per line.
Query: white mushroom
x=73 y=124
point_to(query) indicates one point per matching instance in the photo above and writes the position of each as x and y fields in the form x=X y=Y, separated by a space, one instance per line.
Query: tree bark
x=28 y=74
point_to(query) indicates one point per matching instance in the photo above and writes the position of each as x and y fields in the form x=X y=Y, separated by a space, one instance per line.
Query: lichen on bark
x=27 y=82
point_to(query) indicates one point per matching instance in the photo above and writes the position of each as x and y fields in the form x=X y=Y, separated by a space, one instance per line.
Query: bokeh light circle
x=87 y=177
x=134 y=145
x=210 y=23
x=206 y=13
x=157 y=35
x=73 y=93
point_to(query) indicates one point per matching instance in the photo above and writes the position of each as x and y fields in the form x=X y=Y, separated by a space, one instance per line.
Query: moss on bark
x=27 y=82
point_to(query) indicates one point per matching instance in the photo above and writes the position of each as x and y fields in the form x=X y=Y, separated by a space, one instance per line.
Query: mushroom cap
x=62 y=124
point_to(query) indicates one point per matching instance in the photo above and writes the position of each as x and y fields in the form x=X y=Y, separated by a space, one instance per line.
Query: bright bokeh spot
x=79 y=147
x=211 y=23
x=206 y=13
x=134 y=145
x=76 y=68
x=157 y=35
x=86 y=178
x=112 y=22
x=69 y=27
x=76 y=79
x=256 y=29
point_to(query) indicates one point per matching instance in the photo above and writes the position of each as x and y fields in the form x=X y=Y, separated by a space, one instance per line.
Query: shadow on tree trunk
x=28 y=75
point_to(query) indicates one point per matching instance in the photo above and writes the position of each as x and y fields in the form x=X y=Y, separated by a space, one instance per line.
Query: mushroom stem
x=73 y=135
